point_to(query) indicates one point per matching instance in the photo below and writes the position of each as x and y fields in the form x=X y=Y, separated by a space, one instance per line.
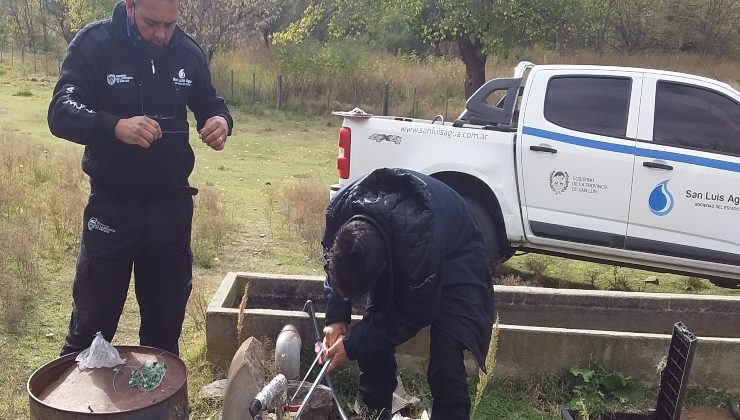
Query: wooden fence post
x=386 y=93
x=254 y=88
x=279 y=92
x=413 y=104
x=232 y=85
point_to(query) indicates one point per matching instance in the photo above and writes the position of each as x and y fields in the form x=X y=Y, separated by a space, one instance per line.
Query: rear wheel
x=487 y=228
x=726 y=283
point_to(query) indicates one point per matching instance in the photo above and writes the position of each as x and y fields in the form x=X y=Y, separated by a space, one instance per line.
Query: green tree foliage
x=82 y=12
x=334 y=19
x=480 y=28
x=67 y=17
x=265 y=17
x=19 y=20
x=466 y=22
x=220 y=24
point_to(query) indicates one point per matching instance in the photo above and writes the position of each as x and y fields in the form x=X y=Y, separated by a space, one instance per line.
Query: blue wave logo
x=661 y=200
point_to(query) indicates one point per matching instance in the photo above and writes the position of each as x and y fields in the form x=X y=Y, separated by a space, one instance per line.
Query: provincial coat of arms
x=558 y=181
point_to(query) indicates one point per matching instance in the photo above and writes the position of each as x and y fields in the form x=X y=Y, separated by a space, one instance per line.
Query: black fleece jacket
x=110 y=73
x=437 y=271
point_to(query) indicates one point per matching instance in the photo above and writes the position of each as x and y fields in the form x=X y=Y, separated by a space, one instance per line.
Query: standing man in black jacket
x=123 y=91
x=413 y=244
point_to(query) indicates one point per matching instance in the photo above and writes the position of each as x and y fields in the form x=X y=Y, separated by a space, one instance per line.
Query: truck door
x=577 y=154
x=686 y=194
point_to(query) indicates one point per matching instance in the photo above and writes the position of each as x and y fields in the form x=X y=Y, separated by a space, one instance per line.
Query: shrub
x=23 y=93
x=302 y=205
x=211 y=227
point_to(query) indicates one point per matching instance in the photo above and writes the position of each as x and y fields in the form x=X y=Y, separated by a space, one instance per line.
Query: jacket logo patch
x=94 y=224
x=115 y=79
x=181 y=79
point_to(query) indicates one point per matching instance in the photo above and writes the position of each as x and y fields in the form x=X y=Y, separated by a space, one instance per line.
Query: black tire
x=726 y=283
x=487 y=228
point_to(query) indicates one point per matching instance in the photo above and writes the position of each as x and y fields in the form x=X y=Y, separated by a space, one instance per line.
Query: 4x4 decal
x=386 y=137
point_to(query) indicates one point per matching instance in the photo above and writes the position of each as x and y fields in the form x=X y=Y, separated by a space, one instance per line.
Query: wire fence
x=260 y=88
x=31 y=64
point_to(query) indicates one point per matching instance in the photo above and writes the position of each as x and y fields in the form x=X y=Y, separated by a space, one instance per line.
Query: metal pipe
x=273 y=393
x=308 y=307
x=316 y=360
x=288 y=352
x=311 y=390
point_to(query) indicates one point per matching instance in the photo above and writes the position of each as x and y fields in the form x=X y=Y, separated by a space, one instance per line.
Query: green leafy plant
x=595 y=388
x=619 y=281
x=692 y=284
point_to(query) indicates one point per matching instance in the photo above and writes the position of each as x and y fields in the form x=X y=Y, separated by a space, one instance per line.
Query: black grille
x=675 y=377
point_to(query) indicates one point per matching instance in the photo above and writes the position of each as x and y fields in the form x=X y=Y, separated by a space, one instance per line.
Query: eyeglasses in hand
x=162 y=118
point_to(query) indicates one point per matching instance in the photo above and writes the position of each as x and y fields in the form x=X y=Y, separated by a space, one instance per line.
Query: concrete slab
x=560 y=328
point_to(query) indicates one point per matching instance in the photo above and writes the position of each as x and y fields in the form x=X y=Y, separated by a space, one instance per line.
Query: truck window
x=596 y=105
x=689 y=116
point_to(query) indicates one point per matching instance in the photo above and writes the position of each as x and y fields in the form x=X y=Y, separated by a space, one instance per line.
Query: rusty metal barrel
x=59 y=390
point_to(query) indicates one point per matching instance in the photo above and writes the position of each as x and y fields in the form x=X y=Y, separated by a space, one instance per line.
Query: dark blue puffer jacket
x=437 y=272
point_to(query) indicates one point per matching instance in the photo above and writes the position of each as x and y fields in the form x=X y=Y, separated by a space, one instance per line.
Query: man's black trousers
x=445 y=374
x=150 y=237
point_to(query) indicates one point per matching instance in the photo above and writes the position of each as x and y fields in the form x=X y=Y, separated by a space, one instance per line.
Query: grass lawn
x=253 y=181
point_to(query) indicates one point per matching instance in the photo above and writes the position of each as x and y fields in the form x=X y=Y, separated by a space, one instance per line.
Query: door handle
x=546 y=149
x=657 y=165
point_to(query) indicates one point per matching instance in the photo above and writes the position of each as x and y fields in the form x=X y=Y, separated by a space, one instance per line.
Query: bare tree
x=26 y=16
x=213 y=23
x=17 y=21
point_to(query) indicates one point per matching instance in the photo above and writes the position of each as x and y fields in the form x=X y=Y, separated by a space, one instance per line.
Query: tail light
x=345 y=140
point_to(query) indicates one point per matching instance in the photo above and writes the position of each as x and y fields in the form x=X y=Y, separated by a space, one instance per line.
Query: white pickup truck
x=626 y=166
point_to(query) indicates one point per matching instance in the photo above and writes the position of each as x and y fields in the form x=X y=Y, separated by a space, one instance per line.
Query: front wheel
x=487 y=228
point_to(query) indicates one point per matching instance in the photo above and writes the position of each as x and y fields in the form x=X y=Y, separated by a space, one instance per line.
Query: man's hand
x=214 y=132
x=138 y=131
x=337 y=353
x=333 y=332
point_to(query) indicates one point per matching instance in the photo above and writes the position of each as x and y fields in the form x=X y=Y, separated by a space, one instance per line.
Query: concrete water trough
x=542 y=330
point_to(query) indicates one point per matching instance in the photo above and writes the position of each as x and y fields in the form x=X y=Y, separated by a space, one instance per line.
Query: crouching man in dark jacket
x=413 y=245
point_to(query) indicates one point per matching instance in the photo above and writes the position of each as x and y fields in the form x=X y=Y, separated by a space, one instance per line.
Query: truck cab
x=634 y=164
x=627 y=166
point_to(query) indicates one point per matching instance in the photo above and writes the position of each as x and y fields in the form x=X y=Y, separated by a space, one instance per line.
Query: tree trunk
x=28 y=22
x=15 y=16
x=471 y=53
x=44 y=23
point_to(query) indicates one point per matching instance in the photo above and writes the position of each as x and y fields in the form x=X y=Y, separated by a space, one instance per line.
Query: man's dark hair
x=356 y=259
